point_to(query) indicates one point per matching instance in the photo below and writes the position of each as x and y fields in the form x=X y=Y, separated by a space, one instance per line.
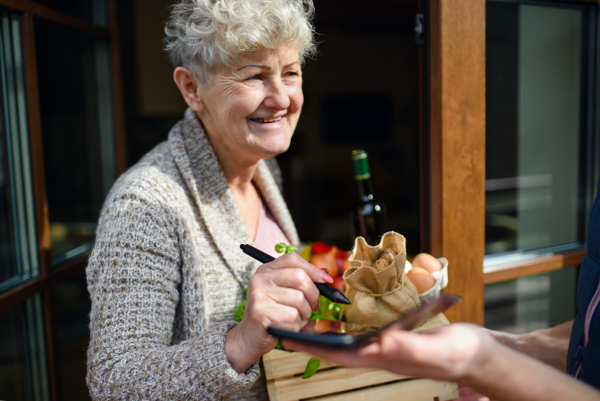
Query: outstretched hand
x=453 y=352
x=462 y=353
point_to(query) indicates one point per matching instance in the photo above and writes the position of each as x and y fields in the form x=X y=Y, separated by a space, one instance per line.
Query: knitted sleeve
x=133 y=277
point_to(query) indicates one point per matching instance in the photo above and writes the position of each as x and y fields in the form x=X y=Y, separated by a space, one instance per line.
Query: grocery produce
x=376 y=282
x=327 y=257
x=368 y=216
x=427 y=262
x=319 y=247
x=322 y=326
x=421 y=278
x=326 y=261
x=338 y=282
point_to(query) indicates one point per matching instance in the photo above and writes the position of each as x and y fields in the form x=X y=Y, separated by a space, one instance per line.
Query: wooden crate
x=332 y=382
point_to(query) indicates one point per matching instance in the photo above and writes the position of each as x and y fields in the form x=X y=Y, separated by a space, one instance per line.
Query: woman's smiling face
x=251 y=110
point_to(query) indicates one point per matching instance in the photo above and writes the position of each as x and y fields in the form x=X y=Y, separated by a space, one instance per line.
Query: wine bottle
x=368 y=217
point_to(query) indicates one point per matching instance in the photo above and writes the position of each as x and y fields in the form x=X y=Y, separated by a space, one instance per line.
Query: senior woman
x=167 y=272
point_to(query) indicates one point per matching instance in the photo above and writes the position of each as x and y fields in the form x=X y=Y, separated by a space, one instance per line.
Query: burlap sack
x=378 y=296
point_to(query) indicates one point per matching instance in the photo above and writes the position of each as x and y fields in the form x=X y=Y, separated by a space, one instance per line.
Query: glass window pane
x=71 y=310
x=531 y=303
x=92 y=10
x=77 y=129
x=18 y=243
x=23 y=367
x=534 y=125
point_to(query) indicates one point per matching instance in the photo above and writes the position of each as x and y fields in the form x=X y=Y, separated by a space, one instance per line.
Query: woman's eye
x=257 y=76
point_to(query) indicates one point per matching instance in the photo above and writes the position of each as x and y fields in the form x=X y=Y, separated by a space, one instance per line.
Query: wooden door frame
x=456 y=148
x=453 y=153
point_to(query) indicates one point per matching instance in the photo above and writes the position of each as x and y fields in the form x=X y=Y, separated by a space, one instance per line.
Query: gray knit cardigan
x=167 y=272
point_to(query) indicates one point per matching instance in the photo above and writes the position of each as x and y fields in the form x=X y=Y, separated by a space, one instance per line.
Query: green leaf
x=290 y=249
x=281 y=247
x=238 y=314
x=311 y=367
x=326 y=309
x=279 y=346
x=336 y=309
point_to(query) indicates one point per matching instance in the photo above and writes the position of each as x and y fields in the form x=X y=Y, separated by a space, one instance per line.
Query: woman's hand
x=280 y=293
x=453 y=352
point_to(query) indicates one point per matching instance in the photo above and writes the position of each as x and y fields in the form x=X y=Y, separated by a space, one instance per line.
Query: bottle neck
x=364 y=189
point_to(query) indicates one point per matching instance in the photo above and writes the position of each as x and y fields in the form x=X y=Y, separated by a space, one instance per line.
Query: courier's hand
x=281 y=292
x=468 y=355
x=468 y=394
x=451 y=353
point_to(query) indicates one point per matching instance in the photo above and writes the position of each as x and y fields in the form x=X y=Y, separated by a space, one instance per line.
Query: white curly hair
x=202 y=35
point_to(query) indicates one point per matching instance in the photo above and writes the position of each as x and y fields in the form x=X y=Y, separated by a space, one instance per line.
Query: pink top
x=268 y=232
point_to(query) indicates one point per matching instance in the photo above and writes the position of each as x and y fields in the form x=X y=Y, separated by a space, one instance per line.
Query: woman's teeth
x=262 y=120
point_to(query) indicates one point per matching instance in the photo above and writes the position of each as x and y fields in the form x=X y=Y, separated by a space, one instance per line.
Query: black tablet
x=350 y=335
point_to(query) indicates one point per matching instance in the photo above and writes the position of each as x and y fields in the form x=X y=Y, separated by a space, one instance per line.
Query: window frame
x=44 y=283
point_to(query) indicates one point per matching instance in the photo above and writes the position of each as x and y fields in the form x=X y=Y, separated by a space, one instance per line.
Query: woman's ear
x=188 y=86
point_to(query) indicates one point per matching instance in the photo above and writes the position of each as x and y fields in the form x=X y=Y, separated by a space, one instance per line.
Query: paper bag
x=378 y=287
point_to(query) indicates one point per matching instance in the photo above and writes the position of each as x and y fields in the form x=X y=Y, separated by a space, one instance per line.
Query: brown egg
x=421 y=278
x=427 y=262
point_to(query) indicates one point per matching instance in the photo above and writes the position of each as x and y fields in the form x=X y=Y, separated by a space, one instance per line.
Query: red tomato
x=341 y=254
x=326 y=262
x=338 y=282
x=319 y=248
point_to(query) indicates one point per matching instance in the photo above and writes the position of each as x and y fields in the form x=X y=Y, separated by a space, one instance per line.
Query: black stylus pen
x=332 y=294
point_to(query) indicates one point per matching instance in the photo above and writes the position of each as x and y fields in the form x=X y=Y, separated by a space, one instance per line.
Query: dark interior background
x=361 y=92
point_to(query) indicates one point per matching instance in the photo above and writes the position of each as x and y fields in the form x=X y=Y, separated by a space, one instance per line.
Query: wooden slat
x=457 y=109
x=280 y=364
x=331 y=381
x=49 y=14
x=117 y=90
x=537 y=266
x=406 y=390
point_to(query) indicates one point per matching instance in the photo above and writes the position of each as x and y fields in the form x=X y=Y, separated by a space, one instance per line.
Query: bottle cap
x=360 y=164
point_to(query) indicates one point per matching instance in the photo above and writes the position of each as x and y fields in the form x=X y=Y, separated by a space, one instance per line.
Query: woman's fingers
x=284 y=317
x=292 y=298
x=291 y=271
x=293 y=260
